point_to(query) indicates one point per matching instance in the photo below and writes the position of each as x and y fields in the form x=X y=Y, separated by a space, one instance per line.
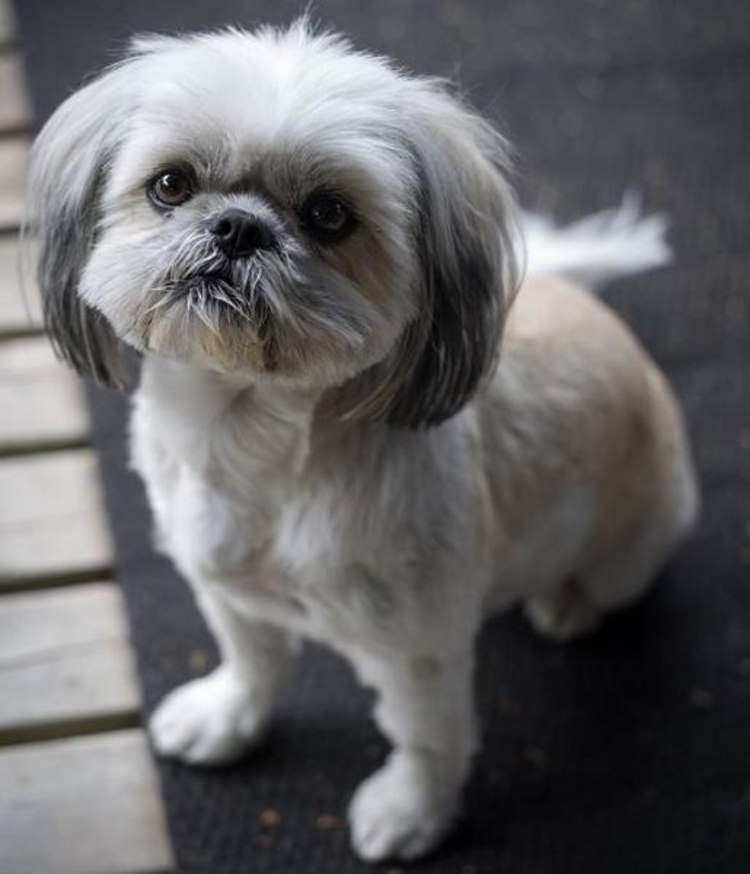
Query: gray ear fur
x=69 y=163
x=465 y=240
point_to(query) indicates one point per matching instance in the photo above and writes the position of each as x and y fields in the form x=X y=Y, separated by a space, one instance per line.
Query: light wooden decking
x=78 y=791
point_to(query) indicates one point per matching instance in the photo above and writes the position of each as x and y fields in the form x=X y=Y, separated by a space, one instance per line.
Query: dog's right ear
x=69 y=164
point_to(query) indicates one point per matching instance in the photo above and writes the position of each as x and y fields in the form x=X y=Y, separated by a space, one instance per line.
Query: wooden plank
x=15 y=115
x=40 y=397
x=20 y=306
x=65 y=664
x=85 y=805
x=52 y=526
x=13 y=160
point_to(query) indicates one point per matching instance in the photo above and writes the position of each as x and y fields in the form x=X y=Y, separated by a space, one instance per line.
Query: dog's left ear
x=465 y=237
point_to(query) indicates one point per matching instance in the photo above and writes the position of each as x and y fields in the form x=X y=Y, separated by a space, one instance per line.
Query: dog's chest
x=256 y=521
x=225 y=518
x=238 y=507
x=284 y=553
x=323 y=538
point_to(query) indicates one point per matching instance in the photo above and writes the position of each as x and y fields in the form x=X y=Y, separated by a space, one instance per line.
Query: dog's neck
x=208 y=420
x=200 y=407
x=197 y=393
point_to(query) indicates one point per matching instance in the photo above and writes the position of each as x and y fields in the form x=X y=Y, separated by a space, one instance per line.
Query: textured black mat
x=627 y=753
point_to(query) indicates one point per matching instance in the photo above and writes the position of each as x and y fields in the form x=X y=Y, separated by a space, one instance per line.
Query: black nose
x=238 y=233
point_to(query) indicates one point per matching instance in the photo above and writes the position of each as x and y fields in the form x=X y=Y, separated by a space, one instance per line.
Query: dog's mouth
x=227 y=305
x=220 y=275
x=214 y=282
x=221 y=291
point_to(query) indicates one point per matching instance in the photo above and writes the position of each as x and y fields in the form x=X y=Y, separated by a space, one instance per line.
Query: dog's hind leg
x=647 y=518
x=563 y=613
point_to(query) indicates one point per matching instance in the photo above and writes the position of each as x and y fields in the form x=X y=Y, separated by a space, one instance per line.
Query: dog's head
x=279 y=206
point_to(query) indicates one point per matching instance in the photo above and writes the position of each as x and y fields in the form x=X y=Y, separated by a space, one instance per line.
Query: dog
x=355 y=422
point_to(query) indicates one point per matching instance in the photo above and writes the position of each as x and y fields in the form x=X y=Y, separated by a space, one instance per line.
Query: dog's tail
x=599 y=247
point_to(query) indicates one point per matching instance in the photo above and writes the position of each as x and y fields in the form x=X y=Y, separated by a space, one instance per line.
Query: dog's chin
x=215 y=344
x=206 y=319
x=203 y=326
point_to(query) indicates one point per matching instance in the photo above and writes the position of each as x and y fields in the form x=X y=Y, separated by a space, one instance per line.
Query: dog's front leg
x=425 y=708
x=214 y=719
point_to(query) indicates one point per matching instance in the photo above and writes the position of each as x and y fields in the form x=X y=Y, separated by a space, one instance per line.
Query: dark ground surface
x=629 y=752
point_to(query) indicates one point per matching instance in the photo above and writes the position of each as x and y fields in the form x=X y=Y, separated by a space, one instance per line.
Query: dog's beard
x=225 y=304
x=229 y=298
x=275 y=311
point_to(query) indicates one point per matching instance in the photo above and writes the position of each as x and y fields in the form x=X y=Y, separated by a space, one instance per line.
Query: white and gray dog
x=315 y=255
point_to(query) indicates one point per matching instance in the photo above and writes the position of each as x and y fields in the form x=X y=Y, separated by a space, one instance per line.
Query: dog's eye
x=327 y=218
x=171 y=188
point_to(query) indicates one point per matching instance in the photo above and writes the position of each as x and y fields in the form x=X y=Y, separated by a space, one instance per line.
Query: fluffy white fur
x=330 y=446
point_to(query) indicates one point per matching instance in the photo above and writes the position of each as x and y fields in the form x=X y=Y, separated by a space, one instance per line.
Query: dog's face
x=257 y=217
x=277 y=206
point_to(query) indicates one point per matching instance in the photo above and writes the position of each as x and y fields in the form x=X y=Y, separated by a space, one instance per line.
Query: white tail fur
x=599 y=247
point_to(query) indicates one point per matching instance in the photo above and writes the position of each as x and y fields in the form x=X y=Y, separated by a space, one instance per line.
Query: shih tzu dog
x=316 y=256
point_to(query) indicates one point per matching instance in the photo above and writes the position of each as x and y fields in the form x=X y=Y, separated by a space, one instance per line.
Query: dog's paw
x=209 y=721
x=397 y=813
x=563 y=613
